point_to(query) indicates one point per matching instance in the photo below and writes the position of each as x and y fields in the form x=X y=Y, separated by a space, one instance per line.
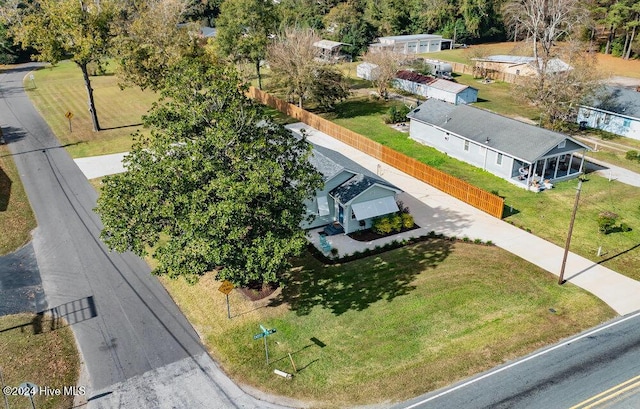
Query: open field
x=16 y=218
x=31 y=351
x=61 y=89
x=607 y=64
x=393 y=326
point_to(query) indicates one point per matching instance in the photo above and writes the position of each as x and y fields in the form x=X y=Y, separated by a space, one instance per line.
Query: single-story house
x=617 y=112
x=430 y=87
x=518 y=65
x=330 y=51
x=523 y=154
x=411 y=44
x=351 y=197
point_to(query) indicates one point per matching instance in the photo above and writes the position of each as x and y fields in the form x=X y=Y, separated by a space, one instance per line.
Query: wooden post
x=293 y=363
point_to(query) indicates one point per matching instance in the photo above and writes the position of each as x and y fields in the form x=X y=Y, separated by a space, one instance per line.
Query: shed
x=617 y=111
x=410 y=44
x=368 y=71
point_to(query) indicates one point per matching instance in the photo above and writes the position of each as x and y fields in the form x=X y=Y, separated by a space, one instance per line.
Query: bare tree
x=388 y=63
x=544 y=21
x=296 y=68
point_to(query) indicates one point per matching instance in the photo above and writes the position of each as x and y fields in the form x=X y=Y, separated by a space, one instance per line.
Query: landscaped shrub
x=607 y=222
x=632 y=155
x=396 y=114
x=381 y=225
x=407 y=220
x=396 y=222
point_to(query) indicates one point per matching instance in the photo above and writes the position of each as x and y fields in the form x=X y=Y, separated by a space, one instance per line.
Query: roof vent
x=487 y=141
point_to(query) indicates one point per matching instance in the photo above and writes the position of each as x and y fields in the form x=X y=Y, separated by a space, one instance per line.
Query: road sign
x=69 y=115
x=226 y=287
x=260 y=335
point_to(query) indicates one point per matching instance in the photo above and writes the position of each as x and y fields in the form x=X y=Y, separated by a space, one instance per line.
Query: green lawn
x=30 y=351
x=394 y=325
x=16 y=218
x=61 y=89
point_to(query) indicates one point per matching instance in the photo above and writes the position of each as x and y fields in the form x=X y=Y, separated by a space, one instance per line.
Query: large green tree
x=244 y=27
x=217 y=184
x=58 y=29
x=150 y=40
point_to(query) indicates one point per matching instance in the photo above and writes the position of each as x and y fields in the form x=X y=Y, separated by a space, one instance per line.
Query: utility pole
x=566 y=247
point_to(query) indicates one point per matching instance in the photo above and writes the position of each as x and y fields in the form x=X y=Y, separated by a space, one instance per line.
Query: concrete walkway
x=447 y=215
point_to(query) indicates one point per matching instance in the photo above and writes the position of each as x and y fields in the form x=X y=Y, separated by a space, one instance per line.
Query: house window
x=607 y=118
x=586 y=113
x=482 y=150
x=626 y=123
x=466 y=146
x=499 y=159
x=562 y=144
x=353 y=215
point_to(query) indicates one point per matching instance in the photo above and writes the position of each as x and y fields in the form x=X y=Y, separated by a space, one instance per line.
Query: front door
x=340 y=214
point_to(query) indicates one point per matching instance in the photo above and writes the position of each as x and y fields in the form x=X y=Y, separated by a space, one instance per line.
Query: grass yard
x=393 y=326
x=61 y=89
x=16 y=218
x=46 y=358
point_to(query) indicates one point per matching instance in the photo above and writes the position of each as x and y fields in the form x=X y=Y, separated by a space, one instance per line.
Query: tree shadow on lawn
x=360 y=107
x=358 y=284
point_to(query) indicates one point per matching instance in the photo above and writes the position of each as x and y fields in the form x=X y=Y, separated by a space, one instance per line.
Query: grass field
x=31 y=352
x=16 y=218
x=61 y=89
x=393 y=326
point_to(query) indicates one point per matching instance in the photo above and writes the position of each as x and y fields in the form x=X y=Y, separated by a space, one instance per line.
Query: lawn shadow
x=358 y=284
x=5 y=190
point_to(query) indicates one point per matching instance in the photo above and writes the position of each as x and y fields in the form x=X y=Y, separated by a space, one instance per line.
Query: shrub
x=407 y=221
x=465 y=239
x=396 y=114
x=607 y=222
x=489 y=243
x=396 y=222
x=632 y=155
x=334 y=252
x=381 y=225
x=478 y=241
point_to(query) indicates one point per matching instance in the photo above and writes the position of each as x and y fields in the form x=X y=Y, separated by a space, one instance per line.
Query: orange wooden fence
x=476 y=197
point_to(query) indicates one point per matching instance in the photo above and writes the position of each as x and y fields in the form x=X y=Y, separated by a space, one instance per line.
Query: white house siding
x=477 y=155
x=611 y=122
x=375 y=192
x=441 y=95
x=412 y=87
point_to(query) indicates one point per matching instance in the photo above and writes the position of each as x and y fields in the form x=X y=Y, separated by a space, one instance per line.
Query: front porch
x=543 y=173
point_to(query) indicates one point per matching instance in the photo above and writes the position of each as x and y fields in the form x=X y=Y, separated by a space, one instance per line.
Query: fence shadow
x=63 y=315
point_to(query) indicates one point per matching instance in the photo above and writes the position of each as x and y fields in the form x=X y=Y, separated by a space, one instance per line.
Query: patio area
x=346 y=245
x=542 y=174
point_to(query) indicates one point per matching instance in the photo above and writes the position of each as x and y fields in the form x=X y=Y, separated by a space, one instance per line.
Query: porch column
x=555 y=172
x=535 y=169
x=544 y=168
x=569 y=167
x=582 y=161
x=529 y=176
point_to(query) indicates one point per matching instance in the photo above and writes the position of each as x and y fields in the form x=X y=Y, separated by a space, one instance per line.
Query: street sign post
x=69 y=115
x=226 y=288
x=264 y=334
x=28 y=389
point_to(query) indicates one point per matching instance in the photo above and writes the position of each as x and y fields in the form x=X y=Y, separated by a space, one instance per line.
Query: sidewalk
x=452 y=217
x=447 y=215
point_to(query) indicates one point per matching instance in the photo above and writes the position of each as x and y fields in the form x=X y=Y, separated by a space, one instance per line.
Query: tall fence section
x=468 y=193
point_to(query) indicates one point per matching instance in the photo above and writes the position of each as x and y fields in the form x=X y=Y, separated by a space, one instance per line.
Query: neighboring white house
x=410 y=44
x=351 y=197
x=618 y=113
x=368 y=71
x=523 y=154
x=519 y=65
x=430 y=87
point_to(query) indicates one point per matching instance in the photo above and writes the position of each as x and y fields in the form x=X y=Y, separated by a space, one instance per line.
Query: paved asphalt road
x=138 y=348
x=562 y=376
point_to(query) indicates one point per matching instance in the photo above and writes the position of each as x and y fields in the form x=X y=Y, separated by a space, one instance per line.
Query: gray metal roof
x=623 y=101
x=449 y=86
x=409 y=37
x=353 y=187
x=505 y=135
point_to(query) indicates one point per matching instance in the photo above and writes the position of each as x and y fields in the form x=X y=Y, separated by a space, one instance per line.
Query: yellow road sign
x=226 y=287
x=69 y=115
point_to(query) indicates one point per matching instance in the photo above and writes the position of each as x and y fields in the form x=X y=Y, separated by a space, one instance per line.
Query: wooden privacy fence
x=476 y=197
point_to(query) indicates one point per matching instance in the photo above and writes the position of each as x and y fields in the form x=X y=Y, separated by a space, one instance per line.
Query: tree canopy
x=216 y=186
x=60 y=29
